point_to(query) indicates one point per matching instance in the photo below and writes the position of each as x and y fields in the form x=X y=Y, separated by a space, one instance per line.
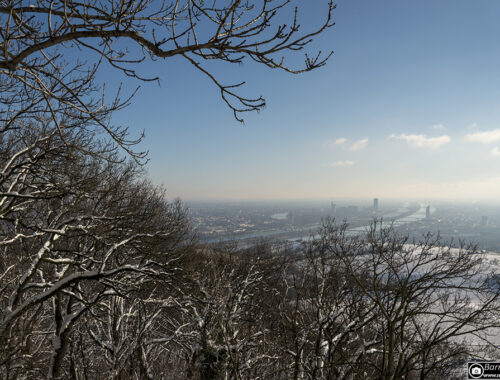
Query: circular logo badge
x=476 y=371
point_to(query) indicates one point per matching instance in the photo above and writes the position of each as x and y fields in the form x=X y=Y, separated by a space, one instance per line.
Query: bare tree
x=323 y=319
x=81 y=230
x=39 y=38
x=431 y=301
x=219 y=331
x=374 y=305
x=75 y=229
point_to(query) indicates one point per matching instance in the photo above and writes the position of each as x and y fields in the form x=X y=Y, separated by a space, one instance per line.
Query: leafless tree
x=374 y=305
x=80 y=229
x=218 y=332
x=42 y=42
x=435 y=306
x=75 y=229
x=323 y=320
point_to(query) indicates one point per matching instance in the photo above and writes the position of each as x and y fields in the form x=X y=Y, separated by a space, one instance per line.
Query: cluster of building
x=242 y=221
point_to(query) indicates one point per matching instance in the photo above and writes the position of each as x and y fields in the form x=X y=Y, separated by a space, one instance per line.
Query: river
x=393 y=218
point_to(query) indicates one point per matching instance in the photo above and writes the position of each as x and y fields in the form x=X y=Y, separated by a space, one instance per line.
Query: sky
x=407 y=107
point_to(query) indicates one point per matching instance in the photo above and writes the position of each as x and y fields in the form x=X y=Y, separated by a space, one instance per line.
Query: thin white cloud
x=422 y=141
x=334 y=144
x=354 y=147
x=439 y=127
x=340 y=141
x=358 y=145
x=340 y=164
x=485 y=137
x=495 y=152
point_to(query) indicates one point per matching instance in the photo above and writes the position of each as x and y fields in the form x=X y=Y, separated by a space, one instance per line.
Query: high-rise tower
x=484 y=221
x=333 y=208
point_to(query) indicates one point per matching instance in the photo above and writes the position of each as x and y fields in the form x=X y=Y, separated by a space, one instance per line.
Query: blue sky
x=408 y=107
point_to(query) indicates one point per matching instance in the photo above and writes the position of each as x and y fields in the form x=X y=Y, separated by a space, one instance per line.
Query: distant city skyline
x=408 y=107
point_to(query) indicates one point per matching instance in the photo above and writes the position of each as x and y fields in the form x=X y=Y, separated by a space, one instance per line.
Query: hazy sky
x=408 y=106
